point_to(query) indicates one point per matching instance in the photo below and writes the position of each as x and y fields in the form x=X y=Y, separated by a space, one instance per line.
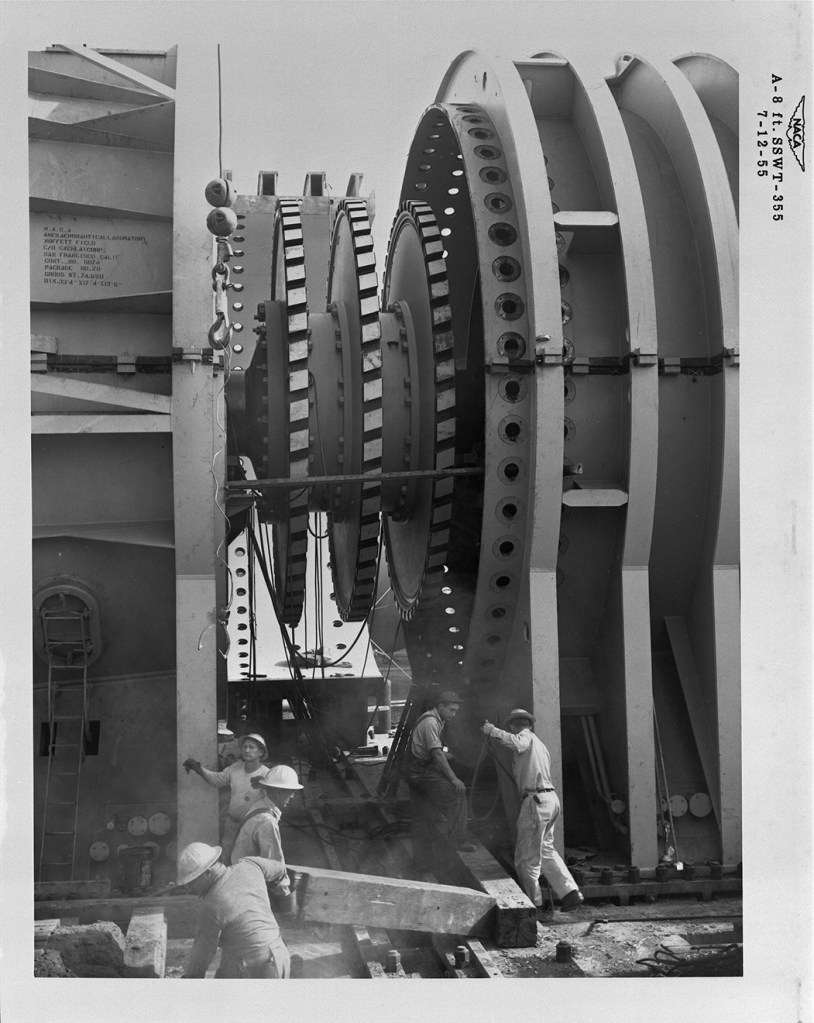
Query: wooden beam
x=180 y=911
x=515 y=918
x=95 y=422
x=339 y=897
x=101 y=394
x=64 y=890
x=484 y=964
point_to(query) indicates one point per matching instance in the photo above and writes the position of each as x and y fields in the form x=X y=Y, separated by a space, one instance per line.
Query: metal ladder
x=67 y=738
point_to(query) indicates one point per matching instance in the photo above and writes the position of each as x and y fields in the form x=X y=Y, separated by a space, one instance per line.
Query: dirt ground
x=602 y=943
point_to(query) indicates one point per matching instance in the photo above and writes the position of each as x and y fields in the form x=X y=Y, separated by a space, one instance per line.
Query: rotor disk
x=354 y=528
x=416 y=281
x=457 y=167
x=288 y=448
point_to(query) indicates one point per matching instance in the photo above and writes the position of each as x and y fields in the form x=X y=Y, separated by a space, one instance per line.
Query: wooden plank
x=335 y=896
x=71 y=890
x=485 y=965
x=181 y=911
x=145 y=950
x=515 y=919
x=146 y=422
x=704 y=889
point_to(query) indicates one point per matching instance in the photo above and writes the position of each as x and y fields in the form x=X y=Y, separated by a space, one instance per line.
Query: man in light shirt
x=534 y=851
x=235 y=913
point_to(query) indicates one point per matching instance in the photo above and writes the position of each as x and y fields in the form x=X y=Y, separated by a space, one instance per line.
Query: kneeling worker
x=235 y=914
x=534 y=850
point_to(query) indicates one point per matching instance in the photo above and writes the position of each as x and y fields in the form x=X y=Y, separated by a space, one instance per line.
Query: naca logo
x=796 y=133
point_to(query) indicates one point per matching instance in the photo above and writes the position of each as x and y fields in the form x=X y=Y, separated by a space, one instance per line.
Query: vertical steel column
x=605 y=138
x=198 y=450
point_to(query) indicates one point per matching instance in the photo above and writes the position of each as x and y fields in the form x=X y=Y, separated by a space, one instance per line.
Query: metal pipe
x=293 y=482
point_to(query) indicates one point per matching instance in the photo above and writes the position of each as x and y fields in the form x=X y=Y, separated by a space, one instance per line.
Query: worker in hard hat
x=259 y=833
x=534 y=851
x=235 y=914
x=438 y=796
x=237 y=777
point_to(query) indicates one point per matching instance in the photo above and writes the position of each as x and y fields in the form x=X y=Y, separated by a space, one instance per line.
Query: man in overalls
x=437 y=794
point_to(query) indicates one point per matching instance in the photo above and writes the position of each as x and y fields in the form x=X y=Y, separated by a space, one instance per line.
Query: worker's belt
x=535 y=792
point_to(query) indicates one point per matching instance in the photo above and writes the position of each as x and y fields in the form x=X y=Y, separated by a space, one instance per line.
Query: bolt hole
x=567 y=312
x=512 y=431
x=428 y=151
x=512 y=390
x=493 y=175
x=503 y=234
x=511 y=345
x=240 y=572
x=506 y=269
x=449 y=610
x=509 y=307
x=487 y=152
x=237 y=348
x=509 y=511
x=457 y=173
x=503 y=581
x=511 y=471
x=449 y=211
x=421 y=186
x=506 y=548
x=565 y=276
x=497 y=202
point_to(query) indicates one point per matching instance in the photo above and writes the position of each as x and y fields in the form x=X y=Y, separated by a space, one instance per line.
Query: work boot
x=572 y=900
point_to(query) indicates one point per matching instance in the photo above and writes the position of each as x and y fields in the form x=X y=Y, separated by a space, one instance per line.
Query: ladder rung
x=56 y=863
x=65 y=745
x=60 y=832
x=60 y=802
x=64 y=774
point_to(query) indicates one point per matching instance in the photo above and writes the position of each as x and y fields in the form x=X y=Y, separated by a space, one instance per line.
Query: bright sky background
x=340 y=87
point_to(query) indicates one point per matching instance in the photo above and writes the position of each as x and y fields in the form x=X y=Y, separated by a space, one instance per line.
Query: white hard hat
x=280 y=777
x=256 y=739
x=195 y=859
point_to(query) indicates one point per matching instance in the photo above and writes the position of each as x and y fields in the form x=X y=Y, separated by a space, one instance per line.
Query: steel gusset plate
x=287 y=353
x=458 y=167
x=416 y=288
x=354 y=517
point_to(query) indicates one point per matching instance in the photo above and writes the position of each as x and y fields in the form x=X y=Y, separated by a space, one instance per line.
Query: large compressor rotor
x=513 y=350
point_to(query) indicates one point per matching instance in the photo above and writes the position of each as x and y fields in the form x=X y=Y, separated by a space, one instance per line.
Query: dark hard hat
x=448 y=696
x=518 y=713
